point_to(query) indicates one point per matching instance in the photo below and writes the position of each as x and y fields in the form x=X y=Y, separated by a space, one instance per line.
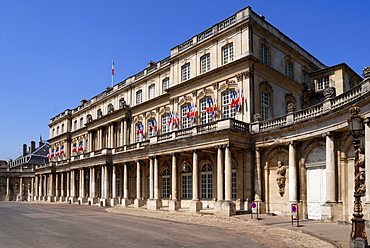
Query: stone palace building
x=238 y=113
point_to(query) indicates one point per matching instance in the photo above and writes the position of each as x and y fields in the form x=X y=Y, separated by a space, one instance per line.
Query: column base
x=56 y=198
x=113 y=201
x=7 y=197
x=228 y=208
x=218 y=207
x=174 y=205
x=30 y=198
x=82 y=200
x=103 y=202
x=154 y=204
x=72 y=199
x=125 y=202
x=92 y=200
x=62 y=198
x=195 y=206
x=50 y=198
x=138 y=203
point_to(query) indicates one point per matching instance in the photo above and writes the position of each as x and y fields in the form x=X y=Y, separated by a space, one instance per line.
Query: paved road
x=64 y=225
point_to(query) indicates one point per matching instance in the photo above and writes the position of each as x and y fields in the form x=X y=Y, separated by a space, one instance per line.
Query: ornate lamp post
x=356 y=128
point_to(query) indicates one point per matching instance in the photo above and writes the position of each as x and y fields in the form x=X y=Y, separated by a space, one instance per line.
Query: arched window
x=228 y=111
x=205 y=114
x=166 y=183
x=99 y=113
x=185 y=115
x=140 y=132
x=165 y=125
x=89 y=118
x=186 y=181
x=206 y=181
x=110 y=108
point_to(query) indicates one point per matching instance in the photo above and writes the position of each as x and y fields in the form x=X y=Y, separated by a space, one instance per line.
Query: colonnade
x=81 y=185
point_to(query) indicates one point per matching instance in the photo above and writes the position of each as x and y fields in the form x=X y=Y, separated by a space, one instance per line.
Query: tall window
x=322 y=83
x=75 y=125
x=264 y=57
x=81 y=122
x=206 y=181
x=166 y=83
x=152 y=91
x=205 y=63
x=227 y=54
x=233 y=180
x=205 y=114
x=62 y=128
x=185 y=121
x=186 y=182
x=289 y=69
x=139 y=96
x=166 y=183
x=265 y=105
x=185 y=72
x=165 y=126
x=57 y=130
x=139 y=132
x=227 y=111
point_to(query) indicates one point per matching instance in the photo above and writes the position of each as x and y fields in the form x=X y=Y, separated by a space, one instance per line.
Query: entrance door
x=316 y=191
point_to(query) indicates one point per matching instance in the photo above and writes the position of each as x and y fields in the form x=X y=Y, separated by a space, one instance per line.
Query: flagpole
x=112 y=73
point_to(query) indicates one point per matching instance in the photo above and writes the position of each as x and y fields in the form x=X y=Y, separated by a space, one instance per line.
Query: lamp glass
x=356 y=127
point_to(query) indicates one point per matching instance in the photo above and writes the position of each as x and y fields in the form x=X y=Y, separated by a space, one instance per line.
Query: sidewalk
x=331 y=232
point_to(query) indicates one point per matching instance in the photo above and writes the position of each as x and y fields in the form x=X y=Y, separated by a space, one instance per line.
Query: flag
x=48 y=155
x=140 y=130
x=153 y=126
x=81 y=147
x=52 y=154
x=57 y=152
x=61 y=151
x=113 y=67
x=214 y=109
x=74 y=149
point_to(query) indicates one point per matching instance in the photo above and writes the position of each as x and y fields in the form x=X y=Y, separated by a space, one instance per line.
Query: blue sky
x=55 y=53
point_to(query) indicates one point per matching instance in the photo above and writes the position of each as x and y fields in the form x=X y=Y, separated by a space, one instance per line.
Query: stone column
x=62 y=192
x=228 y=206
x=114 y=199
x=92 y=194
x=31 y=197
x=228 y=174
x=125 y=131
x=125 y=200
x=45 y=188
x=20 y=196
x=292 y=173
x=51 y=188
x=138 y=201
x=367 y=160
x=68 y=185
x=174 y=203
x=121 y=133
x=195 y=205
x=156 y=178
x=258 y=183
x=330 y=168
x=151 y=178
x=100 y=138
x=220 y=175
x=7 y=196
x=82 y=198
x=57 y=189
x=106 y=181
x=36 y=185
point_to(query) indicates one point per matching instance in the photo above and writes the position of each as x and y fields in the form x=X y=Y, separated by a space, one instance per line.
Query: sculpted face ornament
x=280 y=179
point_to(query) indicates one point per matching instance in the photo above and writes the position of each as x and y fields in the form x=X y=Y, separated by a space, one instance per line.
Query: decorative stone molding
x=257 y=117
x=329 y=92
x=366 y=72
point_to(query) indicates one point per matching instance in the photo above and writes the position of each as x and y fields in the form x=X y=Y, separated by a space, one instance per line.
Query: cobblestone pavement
x=266 y=235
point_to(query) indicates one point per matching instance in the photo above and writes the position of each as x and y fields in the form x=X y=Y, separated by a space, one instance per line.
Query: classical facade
x=237 y=113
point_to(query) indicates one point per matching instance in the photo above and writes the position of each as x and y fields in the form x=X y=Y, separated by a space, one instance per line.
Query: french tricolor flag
x=113 y=67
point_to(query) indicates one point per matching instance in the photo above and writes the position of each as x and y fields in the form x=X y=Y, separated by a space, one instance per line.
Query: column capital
x=219 y=146
x=175 y=154
x=291 y=142
x=196 y=150
x=325 y=134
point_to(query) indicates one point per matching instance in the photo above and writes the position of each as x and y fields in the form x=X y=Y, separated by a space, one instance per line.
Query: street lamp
x=356 y=128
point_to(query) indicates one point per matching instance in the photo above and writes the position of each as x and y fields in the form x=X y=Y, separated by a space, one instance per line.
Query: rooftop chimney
x=24 y=152
x=33 y=146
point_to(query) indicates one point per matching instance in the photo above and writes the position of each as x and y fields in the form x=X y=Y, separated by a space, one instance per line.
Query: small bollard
x=295 y=214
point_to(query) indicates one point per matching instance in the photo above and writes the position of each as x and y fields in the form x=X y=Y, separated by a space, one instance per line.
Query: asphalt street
x=70 y=225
